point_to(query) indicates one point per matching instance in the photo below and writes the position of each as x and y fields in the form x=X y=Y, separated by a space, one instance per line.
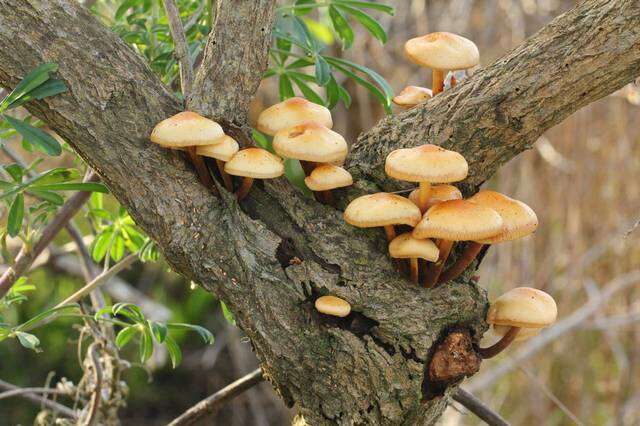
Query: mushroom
x=439 y=193
x=519 y=314
x=326 y=177
x=404 y=246
x=455 y=220
x=290 y=113
x=187 y=130
x=412 y=96
x=332 y=305
x=518 y=221
x=382 y=209
x=442 y=52
x=253 y=163
x=426 y=164
x=221 y=151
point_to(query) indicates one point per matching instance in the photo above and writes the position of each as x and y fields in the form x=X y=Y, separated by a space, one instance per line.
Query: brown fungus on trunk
x=412 y=96
x=253 y=163
x=290 y=113
x=222 y=151
x=404 y=246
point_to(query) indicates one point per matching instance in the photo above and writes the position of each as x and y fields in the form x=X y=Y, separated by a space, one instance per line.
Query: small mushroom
x=455 y=220
x=439 y=193
x=518 y=221
x=326 y=177
x=222 y=151
x=404 y=246
x=187 y=130
x=382 y=209
x=253 y=163
x=519 y=314
x=412 y=96
x=292 y=112
x=442 y=52
x=426 y=164
x=332 y=305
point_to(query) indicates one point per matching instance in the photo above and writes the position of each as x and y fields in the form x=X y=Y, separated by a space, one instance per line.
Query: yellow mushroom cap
x=255 y=163
x=412 y=96
x=290 y=113
x=458 y=220
x=404 y=246
x=518 y=219
x=381 y=209
x=328 y=176
x=523 y=334
x=224 y=148
x=332 y=305
x=523 y=307
x=310 y=142
x=186 y=129
x=426 y=163
x=439 y=193
x=442 y=51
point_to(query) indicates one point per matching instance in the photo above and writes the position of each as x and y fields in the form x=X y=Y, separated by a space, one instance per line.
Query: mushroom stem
x=244 y=189
x=202 y=170
x=453 y=81
x=500 y=345
x=228 y=183
x=390 y=230
x=468 y=255
x=414 y=269
x=437 y=81
x=433 y=273
x=307 y=166
x=327 y=196
x=424 y=193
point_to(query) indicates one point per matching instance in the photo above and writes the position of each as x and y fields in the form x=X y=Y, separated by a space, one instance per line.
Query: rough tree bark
x=369 y=368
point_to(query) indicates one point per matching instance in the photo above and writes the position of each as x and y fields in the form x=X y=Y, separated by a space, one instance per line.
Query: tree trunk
x=370 y=367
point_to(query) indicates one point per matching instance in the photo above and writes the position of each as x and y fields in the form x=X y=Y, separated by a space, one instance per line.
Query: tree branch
x=478 y=408
x=181 y=47
x=38 y=400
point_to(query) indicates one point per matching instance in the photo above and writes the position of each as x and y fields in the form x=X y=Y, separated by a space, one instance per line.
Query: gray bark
x=368 y=370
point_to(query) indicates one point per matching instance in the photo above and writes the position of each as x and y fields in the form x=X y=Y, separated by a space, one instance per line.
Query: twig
x=28 y=254
x=196 y=16
x=20 y=391
x=477 y=407
x=37 y=399
x=633 y=228
x=97 y=392
x=211 y=403
x=181 y=50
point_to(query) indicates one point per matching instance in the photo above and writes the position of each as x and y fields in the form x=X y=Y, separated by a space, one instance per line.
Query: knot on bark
x=454 y=358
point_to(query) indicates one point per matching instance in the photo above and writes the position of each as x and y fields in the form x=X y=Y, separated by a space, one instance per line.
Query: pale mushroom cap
x=518 y=219
x=404 y=246
x=332 y=305
x=255 y=163
x=523 y=334
x=523 y=307
x=186 y=129
x=224 y=148
x=381 y=209
x=412 y=96
x=328 y=176
x=290 y=113
x=439 y=193
x=458 y=220
x=426 y=163
x=442 y=51
x=310 y=142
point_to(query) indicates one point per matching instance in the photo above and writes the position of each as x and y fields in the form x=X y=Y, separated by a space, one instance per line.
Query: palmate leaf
x=205 y=334
x=342 y=26
x=174 y=351
x=366 y=20
x=30 y=82
x=125 y=335
x=37 y=137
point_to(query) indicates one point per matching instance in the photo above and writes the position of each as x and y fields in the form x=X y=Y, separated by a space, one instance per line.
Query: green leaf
x=366 y=21
x=344 y=96
x=31 y=81
x=49 y=196
x=15 y=171
x=42 y=140
x=129 y=310
x=174 y=351
x=205 y=334
x=286 y=89
x=342 y=27
x=46 y=314
x=383 y=95
x=16 y=215
x=303 y=10
x=49 y=88
x=125 y=335
x=323 y=71
x=295 y=174
x=367 y=5
x=307 y=91
x=101 y=245
x=124 y=7
x=159 y=331
x=28 y=340
x=262 y=141
x=146 y=344
x=117 y=248
x=72 y=186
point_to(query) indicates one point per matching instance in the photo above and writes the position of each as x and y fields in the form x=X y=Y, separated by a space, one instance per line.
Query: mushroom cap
x=292 y=112
x=412 y=96
x=381 y=209
x=439 y=193
x=523 y=334
x=328 y=176
x=523 y=307
x=426 y=163
x=186 y=129
x=332 y=305
x=310 y=142
x=255 y=163
x=404 y=246
x=442 y=51
x=224 y=149
x=518 y=219
x=458 y=220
